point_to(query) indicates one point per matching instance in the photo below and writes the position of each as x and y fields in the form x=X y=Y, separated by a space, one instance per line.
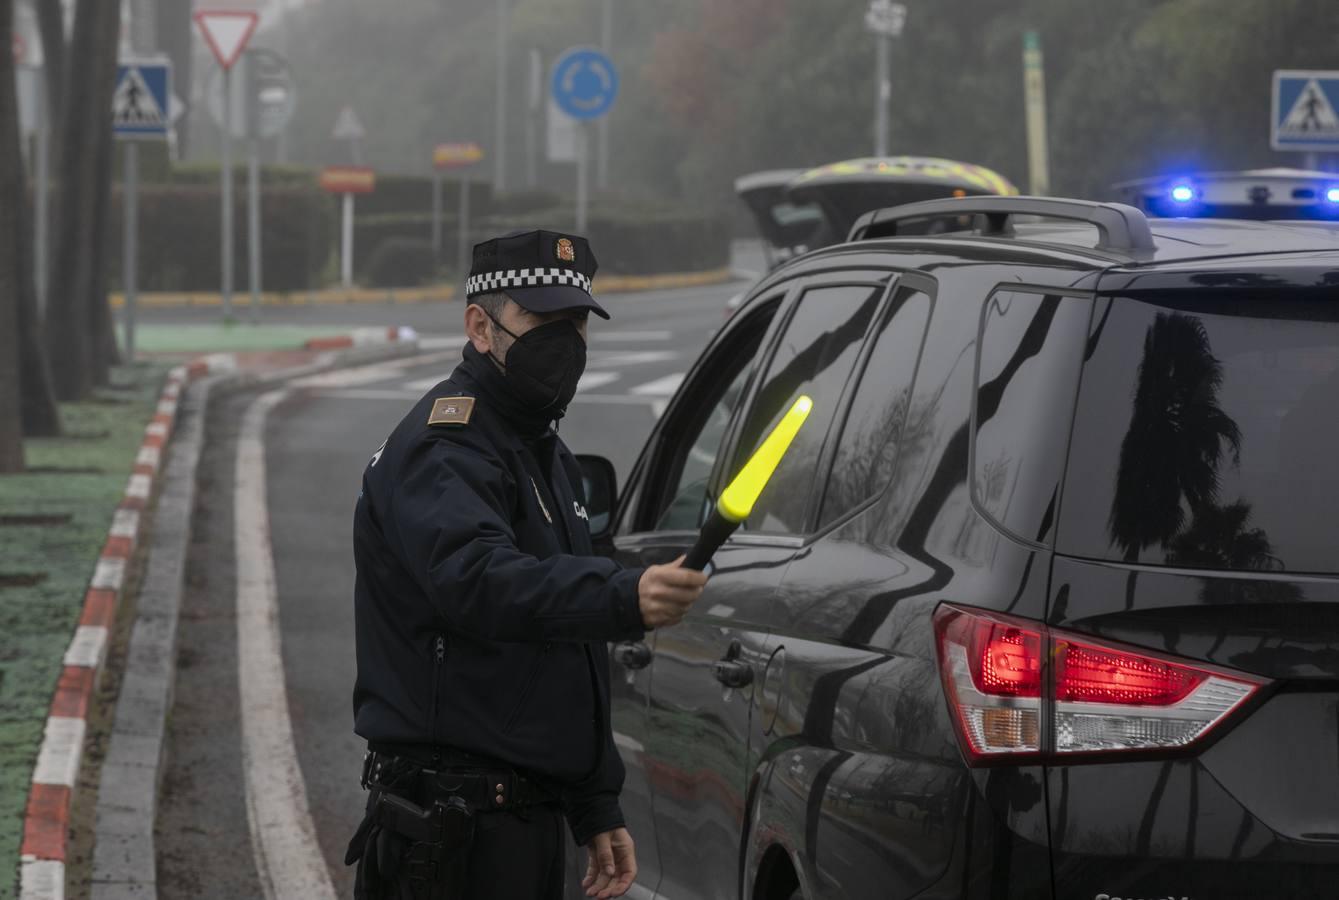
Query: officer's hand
x=613 y=863
x=665 y=593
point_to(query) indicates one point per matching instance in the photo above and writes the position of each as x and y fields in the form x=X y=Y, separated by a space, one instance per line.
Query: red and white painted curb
x=47 y=819
x=362 y=337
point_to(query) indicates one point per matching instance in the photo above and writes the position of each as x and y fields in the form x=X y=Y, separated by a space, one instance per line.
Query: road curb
x=46 y=822
x=124 y=864
x=361 y=337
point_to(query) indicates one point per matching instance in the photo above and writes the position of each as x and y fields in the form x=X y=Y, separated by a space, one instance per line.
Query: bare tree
x=11 y=168
x=75 y=332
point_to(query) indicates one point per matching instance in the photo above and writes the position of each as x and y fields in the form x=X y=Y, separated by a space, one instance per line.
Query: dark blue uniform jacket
x=482 y=614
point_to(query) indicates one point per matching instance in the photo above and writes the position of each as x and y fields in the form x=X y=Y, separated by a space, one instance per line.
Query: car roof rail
x=1120 y=228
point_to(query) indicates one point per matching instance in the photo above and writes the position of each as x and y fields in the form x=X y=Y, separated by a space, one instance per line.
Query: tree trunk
x=51 y=24
x=41 y=416
x=102 y=334
x=11 y=179
x=86 y=112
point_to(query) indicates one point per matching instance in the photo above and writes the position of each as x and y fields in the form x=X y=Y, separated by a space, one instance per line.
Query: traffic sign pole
x=225 y=197
x=130 y=244
x=583 y=152
x=227 y=33
x=463 y=229
x=346 y=244
x=436 y=218
x=253 y=184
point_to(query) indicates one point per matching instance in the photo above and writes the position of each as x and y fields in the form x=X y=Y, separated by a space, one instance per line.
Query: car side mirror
x=601 y=488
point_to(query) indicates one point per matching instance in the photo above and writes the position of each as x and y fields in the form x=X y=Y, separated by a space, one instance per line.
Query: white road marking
x=370 y=374
x=597 y=336
x=661 y=387
x=369 y=394
x=601 y=359
x=592 y=380
x=422 y=384
x=283 y=836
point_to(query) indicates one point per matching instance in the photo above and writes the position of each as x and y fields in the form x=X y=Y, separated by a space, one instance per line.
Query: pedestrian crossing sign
x=140 y=100
x=1304 y=111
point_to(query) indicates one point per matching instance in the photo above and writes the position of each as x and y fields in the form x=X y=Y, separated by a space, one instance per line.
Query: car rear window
x=1206 y=434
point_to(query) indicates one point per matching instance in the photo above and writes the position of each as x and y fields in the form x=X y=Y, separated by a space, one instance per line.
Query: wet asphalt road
x=317 y=443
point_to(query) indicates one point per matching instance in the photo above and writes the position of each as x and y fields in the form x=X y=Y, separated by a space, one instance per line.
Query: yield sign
x=226 y=32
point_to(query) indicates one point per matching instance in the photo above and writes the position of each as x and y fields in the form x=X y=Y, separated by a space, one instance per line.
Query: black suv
x=1044 y=600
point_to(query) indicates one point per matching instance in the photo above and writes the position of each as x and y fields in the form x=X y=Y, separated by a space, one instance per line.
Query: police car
x=1043 y=603
x=1250 y=194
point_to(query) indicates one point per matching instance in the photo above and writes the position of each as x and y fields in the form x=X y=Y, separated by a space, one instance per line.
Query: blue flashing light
x=1182 y=193
x=1332 y=194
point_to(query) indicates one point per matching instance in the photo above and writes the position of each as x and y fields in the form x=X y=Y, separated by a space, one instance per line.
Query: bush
x=400 y=262
x=179 y=237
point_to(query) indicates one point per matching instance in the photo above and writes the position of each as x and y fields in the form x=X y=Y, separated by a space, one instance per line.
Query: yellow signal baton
x=737 y=500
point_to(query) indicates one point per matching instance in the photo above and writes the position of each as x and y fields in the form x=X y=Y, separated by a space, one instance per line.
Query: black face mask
x=544 y=365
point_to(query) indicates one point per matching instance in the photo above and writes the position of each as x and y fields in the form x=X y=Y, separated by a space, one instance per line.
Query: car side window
x=701 y=429
x=877 y=419
x=1027 y=378
x=814 y=356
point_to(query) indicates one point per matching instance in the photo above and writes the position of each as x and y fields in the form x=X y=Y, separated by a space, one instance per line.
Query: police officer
x=482 y=614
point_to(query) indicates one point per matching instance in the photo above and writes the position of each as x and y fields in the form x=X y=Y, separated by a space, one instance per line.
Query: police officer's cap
x=542 y=271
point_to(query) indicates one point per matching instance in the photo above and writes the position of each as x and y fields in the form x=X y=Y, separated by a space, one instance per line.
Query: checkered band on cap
x=519 y=278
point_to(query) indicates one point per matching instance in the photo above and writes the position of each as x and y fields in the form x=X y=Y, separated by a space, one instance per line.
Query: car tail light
x=1017 y=688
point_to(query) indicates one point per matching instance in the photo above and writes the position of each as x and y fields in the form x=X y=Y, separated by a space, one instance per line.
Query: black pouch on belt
x=406 y=851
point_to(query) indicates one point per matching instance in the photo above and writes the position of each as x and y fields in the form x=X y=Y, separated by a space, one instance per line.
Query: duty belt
x=483 y=787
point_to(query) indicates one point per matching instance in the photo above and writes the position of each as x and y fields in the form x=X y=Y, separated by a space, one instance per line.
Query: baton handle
x=714 y=533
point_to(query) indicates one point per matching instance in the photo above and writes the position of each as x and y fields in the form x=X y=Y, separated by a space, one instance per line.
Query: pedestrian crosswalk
x=613 y=376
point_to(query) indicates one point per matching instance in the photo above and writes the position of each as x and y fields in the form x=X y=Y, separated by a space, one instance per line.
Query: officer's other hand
x=665 y=593
x=613 y=864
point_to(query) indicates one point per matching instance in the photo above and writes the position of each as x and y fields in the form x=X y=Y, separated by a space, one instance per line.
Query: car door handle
x=733 y=673
x=632 y=654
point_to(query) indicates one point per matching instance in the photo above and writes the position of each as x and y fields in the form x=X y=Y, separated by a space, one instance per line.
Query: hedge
x=179 y=237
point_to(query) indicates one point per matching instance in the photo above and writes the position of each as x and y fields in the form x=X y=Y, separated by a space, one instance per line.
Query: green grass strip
x=37 y=622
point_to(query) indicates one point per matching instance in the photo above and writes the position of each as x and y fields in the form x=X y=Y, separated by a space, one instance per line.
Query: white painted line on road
x=441 y=341
x=370 y=394
x=661 y=387
x=283 y=836
x=597 y=336
x=62 y=745
x=422 y=384
x=369 y=374
x=628 y=743
x=87 y=647
x=592 y=380
x=606 y=358
x=614 y=399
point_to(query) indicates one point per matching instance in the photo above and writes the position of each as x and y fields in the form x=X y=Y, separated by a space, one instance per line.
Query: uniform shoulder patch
x=451 y=411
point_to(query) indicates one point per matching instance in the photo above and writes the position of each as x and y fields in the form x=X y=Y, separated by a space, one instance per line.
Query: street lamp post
x=885 y=20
